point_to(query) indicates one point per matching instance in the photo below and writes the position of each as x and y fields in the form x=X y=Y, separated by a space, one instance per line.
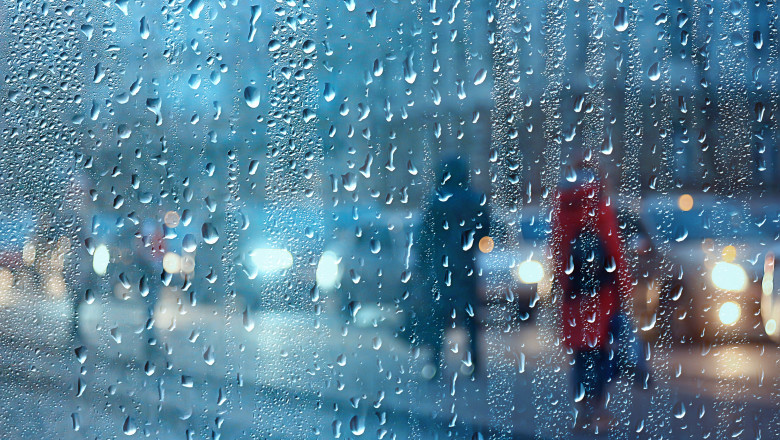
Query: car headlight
x=171 y=262
x=272 y=260
x=100 y=259
x=530 y=272
x=729 y=276
x=328 y=270
x=771 y=327
x=729 y=313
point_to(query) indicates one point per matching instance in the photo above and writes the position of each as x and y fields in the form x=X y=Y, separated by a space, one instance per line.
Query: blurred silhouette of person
x=590 y=268
x=456 y=218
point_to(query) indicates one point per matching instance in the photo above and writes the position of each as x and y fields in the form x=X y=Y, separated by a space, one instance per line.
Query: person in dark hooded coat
x=456 y=218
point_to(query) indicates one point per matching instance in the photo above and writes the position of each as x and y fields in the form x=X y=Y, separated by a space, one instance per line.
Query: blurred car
x=715 y=281
x=367 y=263
x=34 y=266
x=513 y=265
x=276 y=257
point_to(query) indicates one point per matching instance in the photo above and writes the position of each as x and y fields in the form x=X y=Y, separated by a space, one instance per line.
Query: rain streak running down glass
x=398 y=219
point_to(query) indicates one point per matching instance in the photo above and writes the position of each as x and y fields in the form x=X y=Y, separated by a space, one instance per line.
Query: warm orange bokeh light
x=729 y=253
x=685 y=202
x=486 y=244
x=171 y=219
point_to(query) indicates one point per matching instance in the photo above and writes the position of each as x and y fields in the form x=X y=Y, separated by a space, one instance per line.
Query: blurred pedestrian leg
x=630 y=358
x=590 y=374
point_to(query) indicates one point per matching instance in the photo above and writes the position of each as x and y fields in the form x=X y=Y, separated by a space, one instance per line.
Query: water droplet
x=255 y=12
x=143 y=286
x=195 y=8
x=210 y=234
x=579 y=103
x=580 y=393
x=681 y=233
x=349 y=181
x=570 y=174
x=88 y=31
x=610 y=265
x=443 y=196
x=329 y=93
x=759 y=109
x=679 y=410
x=409 y=73
x=353 y=308
x=736 y=39
x=379 y=68
x=123 y=131
x=735 y=8
x=308 y=46
x=144 y=29
x=355 y=276
x=189 y=243
x=81 y=354
x=208 y=355
x=194 y=81
x=621 y=23
x=480 y=77
x=249 y=323
x=252 y=96
x=80 y=387
x=122 y=5
x=129 y=427
x=357 y=425
x=118 y=201
x=365 y=170
x=375 y=245
x=350 y=4
x=606 y=146
x=467 y=239
x=682 y=19
x=654 y=72
x=274 y=45
x=758 y=40
x=651 y=324
x=461 y=89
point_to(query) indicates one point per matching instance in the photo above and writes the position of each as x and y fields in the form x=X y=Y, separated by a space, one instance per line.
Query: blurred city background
x=219 y=218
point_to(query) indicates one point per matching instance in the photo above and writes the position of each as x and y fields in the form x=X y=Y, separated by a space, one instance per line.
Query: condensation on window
x=402 y=219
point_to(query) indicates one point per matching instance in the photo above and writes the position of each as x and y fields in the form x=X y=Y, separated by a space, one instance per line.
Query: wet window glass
x=389 y=219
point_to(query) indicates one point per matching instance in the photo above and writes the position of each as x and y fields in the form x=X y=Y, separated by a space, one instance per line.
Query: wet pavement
x=292 y=375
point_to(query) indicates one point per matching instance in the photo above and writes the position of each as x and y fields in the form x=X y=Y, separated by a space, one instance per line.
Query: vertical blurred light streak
x=290 y=127
x=550 y=423
x=504 y=198
x=773 y=60
x=733 y=153
x=659 y=107
x=629 y=187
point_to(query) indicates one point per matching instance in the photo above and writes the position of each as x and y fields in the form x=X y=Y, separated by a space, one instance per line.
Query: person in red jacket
x=591 y=271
